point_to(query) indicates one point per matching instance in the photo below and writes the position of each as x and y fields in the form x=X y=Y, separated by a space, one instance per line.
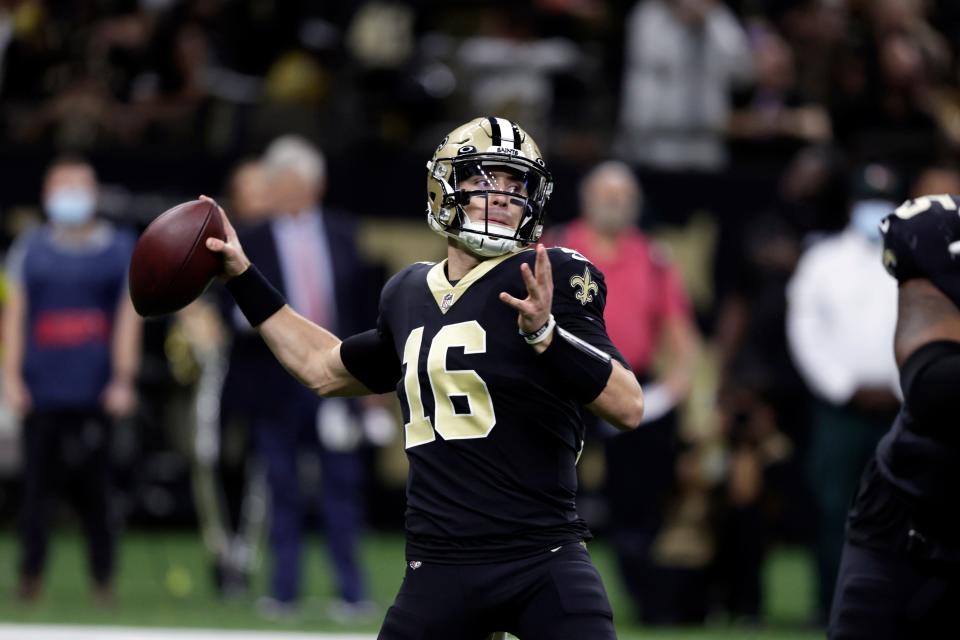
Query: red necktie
x=309 y=279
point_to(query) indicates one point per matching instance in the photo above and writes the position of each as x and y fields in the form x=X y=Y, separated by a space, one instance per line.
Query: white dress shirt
x=841 y=317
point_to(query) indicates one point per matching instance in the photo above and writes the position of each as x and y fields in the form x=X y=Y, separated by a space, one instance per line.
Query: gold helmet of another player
x=480 y=147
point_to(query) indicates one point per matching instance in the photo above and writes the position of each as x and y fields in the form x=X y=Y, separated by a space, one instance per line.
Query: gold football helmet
x=480 y=148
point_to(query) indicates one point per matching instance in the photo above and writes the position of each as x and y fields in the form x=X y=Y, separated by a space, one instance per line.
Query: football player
x=900 y=570
x=491 y=352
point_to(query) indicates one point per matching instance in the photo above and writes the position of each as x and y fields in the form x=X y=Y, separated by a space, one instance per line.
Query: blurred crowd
x=725 y=162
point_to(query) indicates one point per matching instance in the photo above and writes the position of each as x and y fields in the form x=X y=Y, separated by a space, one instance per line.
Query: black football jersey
x=492 y=443
x=922 y=240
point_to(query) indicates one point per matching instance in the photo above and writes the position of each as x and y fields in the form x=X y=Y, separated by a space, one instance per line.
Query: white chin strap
x=484 y=245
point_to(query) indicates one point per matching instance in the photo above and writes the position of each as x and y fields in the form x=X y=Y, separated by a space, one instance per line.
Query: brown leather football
x=171 y=265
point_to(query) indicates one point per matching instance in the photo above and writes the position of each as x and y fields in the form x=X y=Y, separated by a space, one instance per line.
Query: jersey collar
x=446 y=294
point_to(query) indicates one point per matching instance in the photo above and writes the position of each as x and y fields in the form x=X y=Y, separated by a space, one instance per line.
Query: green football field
x=163 y=581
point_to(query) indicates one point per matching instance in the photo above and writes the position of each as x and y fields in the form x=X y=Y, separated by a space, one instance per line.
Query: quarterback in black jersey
x=491 y=352
x=900 y=570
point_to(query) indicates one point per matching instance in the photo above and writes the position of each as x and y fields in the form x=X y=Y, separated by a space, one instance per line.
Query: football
x=171 y=265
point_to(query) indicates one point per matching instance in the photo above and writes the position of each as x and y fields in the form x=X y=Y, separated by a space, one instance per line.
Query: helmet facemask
x=513 y=192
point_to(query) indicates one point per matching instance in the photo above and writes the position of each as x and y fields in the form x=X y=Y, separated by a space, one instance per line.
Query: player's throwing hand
x=235 y=260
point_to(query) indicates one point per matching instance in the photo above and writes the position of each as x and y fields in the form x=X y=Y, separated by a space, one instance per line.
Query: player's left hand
x=534 y=310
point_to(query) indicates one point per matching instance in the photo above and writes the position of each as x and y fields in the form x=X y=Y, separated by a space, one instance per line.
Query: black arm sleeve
x=593 y=331
x=580 y=368
x=929 y=381
x=371 y=359
x=582 y=316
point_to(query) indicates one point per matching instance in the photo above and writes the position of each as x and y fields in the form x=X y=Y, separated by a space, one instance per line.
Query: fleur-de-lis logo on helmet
x=585 y=285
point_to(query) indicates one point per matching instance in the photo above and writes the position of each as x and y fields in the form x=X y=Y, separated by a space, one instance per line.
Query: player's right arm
x=927 y=347
x=308 y=351
x=924 y=315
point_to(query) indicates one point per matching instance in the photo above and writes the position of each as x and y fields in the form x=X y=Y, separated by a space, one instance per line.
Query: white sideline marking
x=65 y=632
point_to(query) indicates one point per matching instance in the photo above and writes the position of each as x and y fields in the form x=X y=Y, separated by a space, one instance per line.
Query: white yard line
x=65 y=632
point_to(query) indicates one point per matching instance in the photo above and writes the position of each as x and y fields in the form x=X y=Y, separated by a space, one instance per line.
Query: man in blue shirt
x=70 y=356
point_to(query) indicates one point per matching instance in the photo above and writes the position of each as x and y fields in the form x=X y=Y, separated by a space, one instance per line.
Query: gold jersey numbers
x=479 y=419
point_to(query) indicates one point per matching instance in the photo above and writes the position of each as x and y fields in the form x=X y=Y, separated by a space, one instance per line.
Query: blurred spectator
x=171 y=87
x=763 y=406
x=762 y=397
x=908 y=17
x=381 y=34
x=71 y=356
x=648 y=315
x=883 y=98
x=772 y=119
x=817 y=31
x=841 y=316
x=812 y=199
x=229 y=491
x=510 y=68
x=935 y=180
x=126 y=75
x=229 y=487
x=309 y=252
x=760 y=416
x=756 y=454
x=248 y=193
x=684 y=57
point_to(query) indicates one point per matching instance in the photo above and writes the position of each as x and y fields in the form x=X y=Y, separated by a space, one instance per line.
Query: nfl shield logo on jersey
x=447 y=302
x=415 y=564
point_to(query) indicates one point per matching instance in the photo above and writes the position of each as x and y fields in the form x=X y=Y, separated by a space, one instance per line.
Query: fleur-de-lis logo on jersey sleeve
x=585 y=286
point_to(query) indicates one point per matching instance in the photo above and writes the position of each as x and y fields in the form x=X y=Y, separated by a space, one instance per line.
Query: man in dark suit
x=309 y=253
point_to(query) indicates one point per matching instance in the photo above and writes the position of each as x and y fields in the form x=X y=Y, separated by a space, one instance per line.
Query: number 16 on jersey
x=479 y=419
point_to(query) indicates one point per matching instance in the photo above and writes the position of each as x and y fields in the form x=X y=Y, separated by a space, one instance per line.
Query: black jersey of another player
x=492 y=443
x=921 y=239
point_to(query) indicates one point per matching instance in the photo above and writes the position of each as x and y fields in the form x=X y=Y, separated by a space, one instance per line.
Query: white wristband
x=540 y=334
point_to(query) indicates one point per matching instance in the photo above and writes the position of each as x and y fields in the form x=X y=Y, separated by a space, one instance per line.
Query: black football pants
x=66 y=452
x=888 y=596
x=555 y=595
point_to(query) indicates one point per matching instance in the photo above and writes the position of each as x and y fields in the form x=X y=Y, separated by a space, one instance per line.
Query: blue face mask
x=866 y=216
x=70 y=206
